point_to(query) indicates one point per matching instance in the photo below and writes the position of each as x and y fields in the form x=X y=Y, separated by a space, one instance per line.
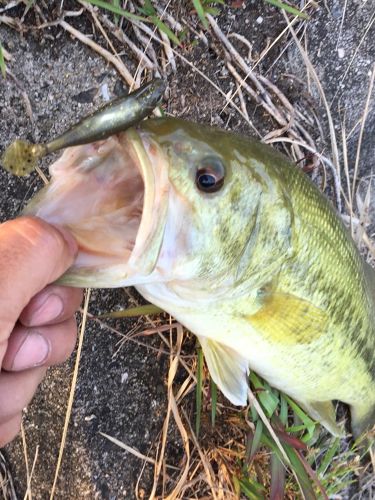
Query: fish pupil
x=207 y=180
x=210 y=175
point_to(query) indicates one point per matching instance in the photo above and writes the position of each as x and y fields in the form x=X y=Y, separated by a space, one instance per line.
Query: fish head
x=165 y=201
x=229 y=213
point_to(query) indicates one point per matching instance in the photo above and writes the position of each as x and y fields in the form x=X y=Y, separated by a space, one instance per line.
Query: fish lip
x=150 y=162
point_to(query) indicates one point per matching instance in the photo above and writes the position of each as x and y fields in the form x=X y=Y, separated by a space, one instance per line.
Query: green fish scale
x=329 y=271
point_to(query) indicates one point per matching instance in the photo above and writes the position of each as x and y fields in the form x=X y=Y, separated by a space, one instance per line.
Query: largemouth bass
x=238 y=245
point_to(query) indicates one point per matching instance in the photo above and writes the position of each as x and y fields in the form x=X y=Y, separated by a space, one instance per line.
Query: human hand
x=37 y=325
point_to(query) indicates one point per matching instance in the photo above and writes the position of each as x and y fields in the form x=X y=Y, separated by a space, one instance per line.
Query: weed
x=2 y=62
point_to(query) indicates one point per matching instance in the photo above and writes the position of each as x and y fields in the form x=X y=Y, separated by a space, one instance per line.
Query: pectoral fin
x=288 y=319
x=228 y=370
x=324 y=413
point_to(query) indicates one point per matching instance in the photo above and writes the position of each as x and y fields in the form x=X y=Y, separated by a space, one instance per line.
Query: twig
x=242 y=100
x=263 y=98
x=71 y=394
x=41 y=175
x=172 y=408
x=264 y=53
x=239 y=59
x=11 y=22
x=168 y=51
x=367 y=29
x=342 y=22
x=10 y=5
x=26 y=457
x=361 y=131
x=148 y=48
x=175 y=25
x=133 y=451
x=166 y=43
x=146 y=29
x=6 y=482
x=246 y=42
x=120 y=35
x=28 y=490
x=271 y=110
x=124 y=336
x=35 y=6
x=206 y=464
x=285 y=47
x=101 y=29
x=346 y=170
x=337 y=184
x=7 y=55
x=254 y=402
x=315 y=77
x=118 y=64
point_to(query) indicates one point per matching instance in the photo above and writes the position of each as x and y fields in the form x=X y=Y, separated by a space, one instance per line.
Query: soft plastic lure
x=21 y=157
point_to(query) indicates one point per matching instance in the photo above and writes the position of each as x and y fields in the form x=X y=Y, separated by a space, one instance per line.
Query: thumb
x=32 y=255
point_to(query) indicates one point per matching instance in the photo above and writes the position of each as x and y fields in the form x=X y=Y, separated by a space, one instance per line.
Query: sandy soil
x=123 y=392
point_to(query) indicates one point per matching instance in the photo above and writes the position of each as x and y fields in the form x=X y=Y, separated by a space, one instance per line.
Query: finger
x=40 y=346
x=32 y=255
x=17 y=390
x=52 y=305
x=10 y=429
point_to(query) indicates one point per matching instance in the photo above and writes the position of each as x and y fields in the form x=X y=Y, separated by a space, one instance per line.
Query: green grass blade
x=327 y=460
x=161 y=111
x=116 y=10
x=198 y=392
x=237 y=486
x=257 y=438
x=304 y=481
x=265 y=395
x=116 y=3
x=288 y=8
x=303 y=478
x=147 y=9
x=254 y=414
x=2 y=62
x=283 y=410
x=133 y=311
x=252 y=489
x=201 y=12
x=306 y=420
x=213 y=402
x=296 y=429
x=214 y=11
x=164 y=28
x=286 y=437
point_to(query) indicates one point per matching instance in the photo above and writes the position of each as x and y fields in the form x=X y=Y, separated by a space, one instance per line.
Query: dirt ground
x=53 y=80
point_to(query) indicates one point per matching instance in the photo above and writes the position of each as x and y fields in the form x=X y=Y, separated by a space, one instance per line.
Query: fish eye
x=210 y=174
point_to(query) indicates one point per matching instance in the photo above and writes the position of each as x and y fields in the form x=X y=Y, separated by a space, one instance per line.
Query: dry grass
x=72 y=391
x=7 y=491
x=227 y=460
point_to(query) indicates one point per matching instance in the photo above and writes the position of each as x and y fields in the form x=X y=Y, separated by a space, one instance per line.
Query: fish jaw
x=112 y=195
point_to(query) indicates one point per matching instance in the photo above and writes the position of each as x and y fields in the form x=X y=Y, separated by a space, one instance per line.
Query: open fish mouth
x=112 y=196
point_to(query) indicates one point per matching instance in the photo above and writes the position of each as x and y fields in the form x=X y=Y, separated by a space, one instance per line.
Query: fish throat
x=107 y=194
